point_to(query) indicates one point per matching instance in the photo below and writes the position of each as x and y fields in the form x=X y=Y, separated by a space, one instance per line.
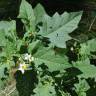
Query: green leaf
x=8 y=45
x=8 y=38
x=39 y=12
x=2 y=72
x=19 y=43
x=7 y=32
x=33 y=46
x=58 y=27
x=82 y=87
x=88 y=70
x=53 y=61
x=46 y=89
x=27 y=16
x=2 y=67
x=8 y=26
x=9 y=49
x=2 y=38
x=87 y=47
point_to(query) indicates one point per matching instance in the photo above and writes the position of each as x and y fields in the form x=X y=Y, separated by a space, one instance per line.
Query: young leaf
x=39 y=12
x=27 y=16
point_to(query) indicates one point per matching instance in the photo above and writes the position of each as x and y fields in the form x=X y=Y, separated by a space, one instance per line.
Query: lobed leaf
x=57 y=27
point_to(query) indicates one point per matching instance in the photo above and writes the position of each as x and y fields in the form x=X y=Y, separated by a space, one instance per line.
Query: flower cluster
x=23 y=66
x=28 y=57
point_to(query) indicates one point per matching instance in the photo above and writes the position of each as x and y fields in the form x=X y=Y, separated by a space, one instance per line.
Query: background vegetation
x=21 y=35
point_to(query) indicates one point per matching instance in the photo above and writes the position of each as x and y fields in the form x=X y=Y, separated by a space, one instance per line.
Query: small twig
x=90 y=27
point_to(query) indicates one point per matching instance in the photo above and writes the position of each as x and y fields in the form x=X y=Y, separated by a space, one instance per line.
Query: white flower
x=28 y=57
x=22 y=67
x=72 y=48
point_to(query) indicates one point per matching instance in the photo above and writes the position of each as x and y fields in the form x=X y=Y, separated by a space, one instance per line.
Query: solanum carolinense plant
x=43 y=49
